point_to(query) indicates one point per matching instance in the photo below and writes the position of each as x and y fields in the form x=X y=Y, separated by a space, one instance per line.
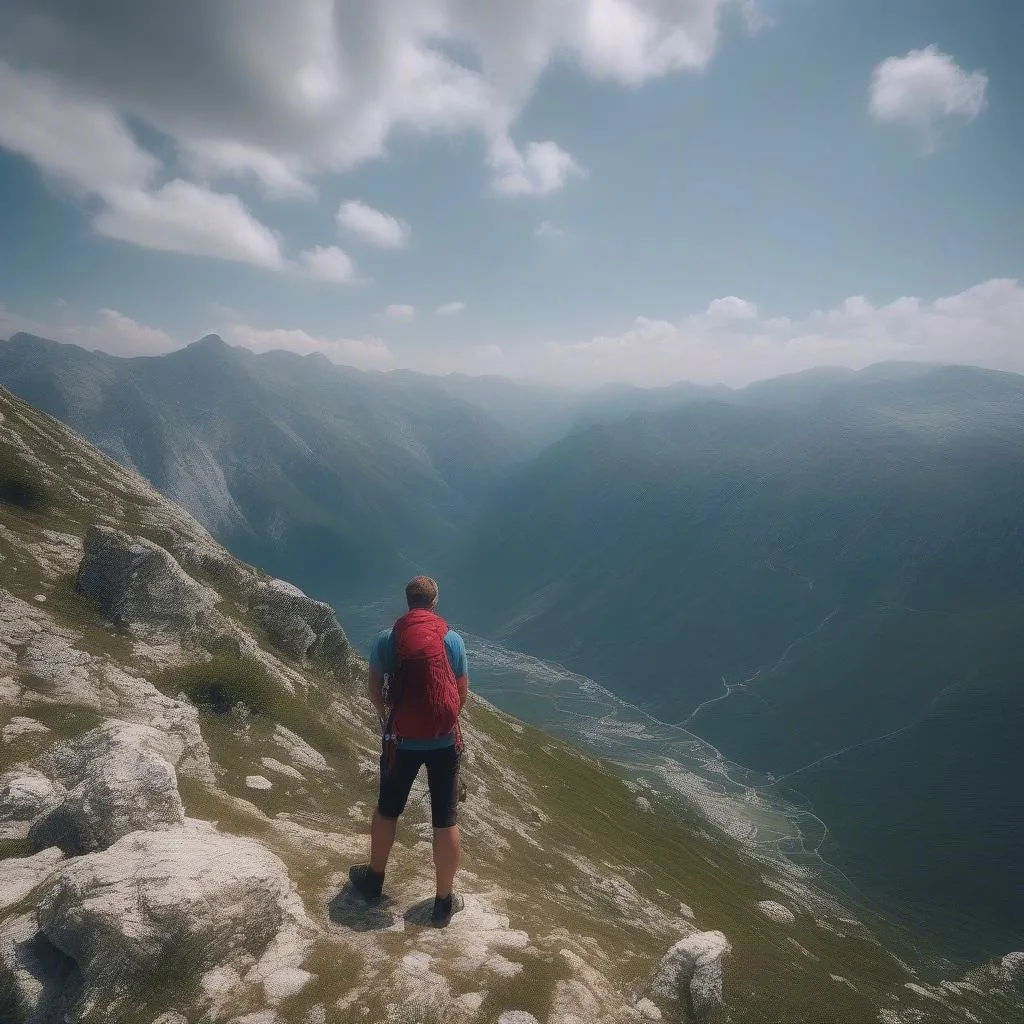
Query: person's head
x=421 y=592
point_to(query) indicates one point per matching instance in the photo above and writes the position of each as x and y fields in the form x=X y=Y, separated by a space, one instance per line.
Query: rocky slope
x=186 y=770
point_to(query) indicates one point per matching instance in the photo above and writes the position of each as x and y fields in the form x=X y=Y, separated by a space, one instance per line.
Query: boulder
x=305 y=629
x=20 y=727
x=691 y=974
x=776 y=912
x=1011 y=968
x=37 y=982
x=299 y=750
x=21 y=875
x=25 y=796
x=137 y=583
x=191 y=900
x=120 y=779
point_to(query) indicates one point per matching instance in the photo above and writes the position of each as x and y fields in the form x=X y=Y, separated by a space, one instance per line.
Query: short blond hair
x=421 y=592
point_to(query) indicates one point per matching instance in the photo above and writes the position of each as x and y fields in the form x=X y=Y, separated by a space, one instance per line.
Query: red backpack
x=425 y=702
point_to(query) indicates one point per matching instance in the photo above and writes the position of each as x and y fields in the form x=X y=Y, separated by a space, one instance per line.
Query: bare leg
x=382 y=838
x=447 y=852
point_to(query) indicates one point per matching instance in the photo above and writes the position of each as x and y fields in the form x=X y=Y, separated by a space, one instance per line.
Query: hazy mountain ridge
x=280 y=455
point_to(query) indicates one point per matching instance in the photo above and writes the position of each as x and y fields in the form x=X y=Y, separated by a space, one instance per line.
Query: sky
x=578 y=191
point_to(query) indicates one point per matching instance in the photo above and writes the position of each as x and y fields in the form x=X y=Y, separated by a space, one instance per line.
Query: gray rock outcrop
x=37 y=982
x=206 y=900
x=1011 y=968
x=691 y=974
x=776 y=912
x=25 y=795
x=21 y=875
x=137 y=583
x=305 y=629
x=120 y=778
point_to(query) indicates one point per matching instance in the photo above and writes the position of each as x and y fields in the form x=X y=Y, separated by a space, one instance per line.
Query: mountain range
x=187 y=763
x=821 y=574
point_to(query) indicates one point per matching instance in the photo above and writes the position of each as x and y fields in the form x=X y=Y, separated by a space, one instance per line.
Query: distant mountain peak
x=210 y=341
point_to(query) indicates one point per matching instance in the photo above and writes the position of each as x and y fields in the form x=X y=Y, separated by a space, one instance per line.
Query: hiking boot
x=366 y=881
x=445 y=909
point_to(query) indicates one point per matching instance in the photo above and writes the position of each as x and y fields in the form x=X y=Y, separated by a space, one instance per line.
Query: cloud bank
x=731 y=341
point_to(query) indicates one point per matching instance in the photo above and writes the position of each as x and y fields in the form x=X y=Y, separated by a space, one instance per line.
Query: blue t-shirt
x=384 y=659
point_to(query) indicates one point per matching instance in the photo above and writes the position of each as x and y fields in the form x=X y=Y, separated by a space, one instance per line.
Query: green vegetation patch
x=222 y=683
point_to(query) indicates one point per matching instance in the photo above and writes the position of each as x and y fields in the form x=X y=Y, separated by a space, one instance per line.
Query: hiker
x=422 y=663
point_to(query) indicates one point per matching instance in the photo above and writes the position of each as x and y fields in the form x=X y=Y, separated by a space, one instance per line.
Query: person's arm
x=375 y=691
x=460 y=666
x=375 y=676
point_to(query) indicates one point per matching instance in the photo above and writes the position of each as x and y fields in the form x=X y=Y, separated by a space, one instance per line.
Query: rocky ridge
x=147 y=678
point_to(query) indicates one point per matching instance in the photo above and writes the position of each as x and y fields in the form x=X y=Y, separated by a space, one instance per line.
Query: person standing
x=418 y=682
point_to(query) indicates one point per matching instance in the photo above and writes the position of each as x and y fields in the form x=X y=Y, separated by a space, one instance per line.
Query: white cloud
x=731 y=308
x=363 y=353
x=279 y=176
x=543 y=168
x=451 y=308
x=982 y=325
x=372 y=226
x=329 y=263
x=116 y=332
x=545 y=229
x=287 y=91
x=400 y=313
x=80 y=142
x=112 y=332
x=923 y=88
x=87 y=147
x=186 y=218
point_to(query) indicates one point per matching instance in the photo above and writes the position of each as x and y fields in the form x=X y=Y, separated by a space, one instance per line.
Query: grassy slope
x=555 y=840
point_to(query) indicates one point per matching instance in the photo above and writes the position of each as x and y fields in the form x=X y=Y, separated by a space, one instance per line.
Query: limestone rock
x=272 y=764
x=517 y=1017
x=171 y=1017
x=1011 y=968
x=691 y=972
x=37 y=982
x=25 y=795
x=301 y=627
x=258 y=782
x=776 y=912
x=136 y=582
x=120 y=779
x=205 y=899
x=285 y=982
x=21 y=875
x=19 y=727
x=299 y=750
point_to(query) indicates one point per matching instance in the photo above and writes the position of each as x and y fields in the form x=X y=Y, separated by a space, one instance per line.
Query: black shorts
x=442 y=779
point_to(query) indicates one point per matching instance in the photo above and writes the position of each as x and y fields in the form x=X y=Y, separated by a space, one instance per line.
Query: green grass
x=224 y=682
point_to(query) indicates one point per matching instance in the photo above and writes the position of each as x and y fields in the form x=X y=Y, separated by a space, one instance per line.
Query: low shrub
x=224 y=682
